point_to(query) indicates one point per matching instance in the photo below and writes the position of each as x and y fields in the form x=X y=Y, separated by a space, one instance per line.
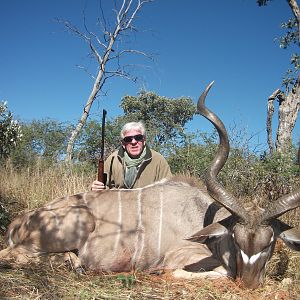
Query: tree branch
x=124 y=21
x=270 y=113
x=296 y=11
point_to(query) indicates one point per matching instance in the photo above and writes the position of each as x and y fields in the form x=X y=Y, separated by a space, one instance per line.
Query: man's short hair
x=138 y=126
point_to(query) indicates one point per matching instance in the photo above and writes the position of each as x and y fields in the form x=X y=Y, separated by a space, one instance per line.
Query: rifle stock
x=101 y=174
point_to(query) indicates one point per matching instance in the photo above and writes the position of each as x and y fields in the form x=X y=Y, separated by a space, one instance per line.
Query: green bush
x=10 y=131
x=246 y=175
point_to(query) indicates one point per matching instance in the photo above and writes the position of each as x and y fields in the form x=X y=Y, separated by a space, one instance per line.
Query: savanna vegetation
x=33 y=172
x=35 y=168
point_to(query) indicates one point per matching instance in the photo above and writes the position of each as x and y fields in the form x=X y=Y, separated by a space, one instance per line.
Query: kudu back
x=168 y=225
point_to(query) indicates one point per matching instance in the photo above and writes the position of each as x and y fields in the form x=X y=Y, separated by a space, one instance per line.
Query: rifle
x=101 y=175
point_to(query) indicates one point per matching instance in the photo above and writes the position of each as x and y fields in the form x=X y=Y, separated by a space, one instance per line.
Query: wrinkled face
x=254 y=249
x=133 y=143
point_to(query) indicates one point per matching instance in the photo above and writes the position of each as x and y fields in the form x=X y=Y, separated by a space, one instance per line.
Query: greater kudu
x=167 y=225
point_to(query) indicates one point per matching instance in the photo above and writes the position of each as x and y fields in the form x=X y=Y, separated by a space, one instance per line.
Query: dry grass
x=32 y=187
x=46 y=282
x=26 y=189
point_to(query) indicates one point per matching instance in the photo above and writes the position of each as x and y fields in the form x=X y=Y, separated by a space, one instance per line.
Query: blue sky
x=194 y=42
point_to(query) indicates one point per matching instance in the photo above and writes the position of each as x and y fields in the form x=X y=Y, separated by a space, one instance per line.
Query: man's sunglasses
x=138 y=138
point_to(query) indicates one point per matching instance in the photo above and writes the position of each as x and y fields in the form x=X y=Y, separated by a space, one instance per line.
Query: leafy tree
x=44 y=139
x=280 y=173
x=192 y=158
x=89 y=144
x=10 y=131
x=163 y=117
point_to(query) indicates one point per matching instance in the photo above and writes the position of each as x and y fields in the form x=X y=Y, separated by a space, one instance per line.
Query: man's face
x=133 y=147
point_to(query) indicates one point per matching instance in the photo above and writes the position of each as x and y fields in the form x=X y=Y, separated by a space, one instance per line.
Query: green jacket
x=153 y=168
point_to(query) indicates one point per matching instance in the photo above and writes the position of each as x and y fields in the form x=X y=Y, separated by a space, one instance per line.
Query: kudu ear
x=291 y=238
x=288 y=234
x=214 y=230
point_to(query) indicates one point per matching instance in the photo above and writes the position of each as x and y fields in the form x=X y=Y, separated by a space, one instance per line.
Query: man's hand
x=97 y=186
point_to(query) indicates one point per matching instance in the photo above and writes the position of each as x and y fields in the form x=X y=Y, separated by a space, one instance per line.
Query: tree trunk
x=288 y=102
x=85 y=114
x=287 y=115
x=270 y=113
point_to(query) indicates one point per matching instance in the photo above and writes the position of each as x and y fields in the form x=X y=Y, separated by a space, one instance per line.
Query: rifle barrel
x=101 y=175
x=103 y=132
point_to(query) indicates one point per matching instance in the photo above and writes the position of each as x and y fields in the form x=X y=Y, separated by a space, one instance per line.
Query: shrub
x=10 y=132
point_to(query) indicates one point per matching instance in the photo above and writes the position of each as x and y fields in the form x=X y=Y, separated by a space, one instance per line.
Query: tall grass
x=28 y=188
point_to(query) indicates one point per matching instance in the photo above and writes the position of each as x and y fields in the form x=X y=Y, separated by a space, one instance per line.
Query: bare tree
x=288 y=100
x=103 y=49
x=289 y=103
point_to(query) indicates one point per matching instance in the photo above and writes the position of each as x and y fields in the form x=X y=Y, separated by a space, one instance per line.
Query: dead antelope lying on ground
x=167 y=225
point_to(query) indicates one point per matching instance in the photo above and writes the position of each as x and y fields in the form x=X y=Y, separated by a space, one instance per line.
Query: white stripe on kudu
x=84 y=198
x=119 y=224
x=140 y=231
x=161 y=198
